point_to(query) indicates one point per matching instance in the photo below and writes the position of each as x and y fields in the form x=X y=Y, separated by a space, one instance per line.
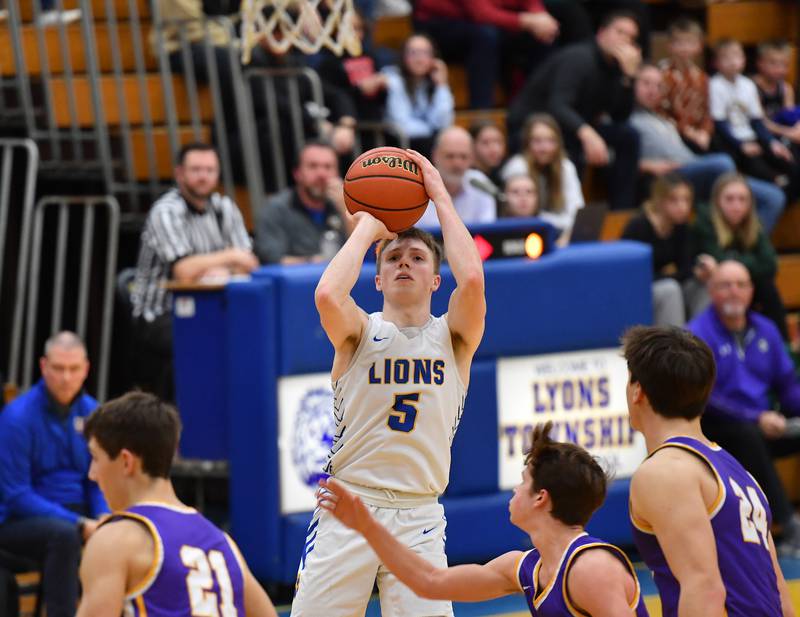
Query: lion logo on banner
x=313 y=435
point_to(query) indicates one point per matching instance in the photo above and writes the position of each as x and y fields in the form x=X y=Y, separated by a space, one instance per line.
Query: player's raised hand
x=434 y=185
x=379 y=231
x=349 y=509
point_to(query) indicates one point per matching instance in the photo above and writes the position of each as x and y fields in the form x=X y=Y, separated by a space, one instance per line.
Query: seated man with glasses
x=755 y=376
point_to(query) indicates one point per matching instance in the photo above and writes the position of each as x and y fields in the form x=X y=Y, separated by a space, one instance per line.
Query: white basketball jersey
x=397 y=408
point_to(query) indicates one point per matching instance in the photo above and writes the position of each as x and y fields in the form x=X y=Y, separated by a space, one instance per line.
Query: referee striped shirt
x=175 y=229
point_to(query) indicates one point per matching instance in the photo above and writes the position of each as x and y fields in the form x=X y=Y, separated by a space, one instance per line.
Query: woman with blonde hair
x=678 y=288
x=545 y=160
x=731 y=230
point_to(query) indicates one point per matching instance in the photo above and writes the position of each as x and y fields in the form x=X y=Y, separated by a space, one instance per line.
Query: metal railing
x=376 y=134
x=278 y=90
x=86 y=92
x=19 y=163
x=75 y=225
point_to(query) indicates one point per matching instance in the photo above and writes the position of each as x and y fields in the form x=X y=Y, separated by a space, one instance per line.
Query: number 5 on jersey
x=404 y=412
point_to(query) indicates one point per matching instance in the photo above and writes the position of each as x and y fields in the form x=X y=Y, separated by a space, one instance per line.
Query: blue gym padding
x=578 y=298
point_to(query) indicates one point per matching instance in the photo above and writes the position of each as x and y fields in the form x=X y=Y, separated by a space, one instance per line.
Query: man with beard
x=306 y=223
x=191 y=233
x=754 y=372
x=470 y=189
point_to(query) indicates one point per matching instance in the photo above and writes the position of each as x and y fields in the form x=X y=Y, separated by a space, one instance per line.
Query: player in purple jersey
x=567 y=573
x=155 y=557
x=700 y=521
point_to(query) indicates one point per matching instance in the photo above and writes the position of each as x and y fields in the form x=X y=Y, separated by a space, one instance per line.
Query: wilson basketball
x=386 y=183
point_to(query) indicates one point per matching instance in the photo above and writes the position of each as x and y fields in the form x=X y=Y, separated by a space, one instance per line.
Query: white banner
x=583 y=393
x=305 y=434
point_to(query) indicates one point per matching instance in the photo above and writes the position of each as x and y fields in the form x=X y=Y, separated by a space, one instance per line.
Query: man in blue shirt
x=48 y=506
x=752 y=367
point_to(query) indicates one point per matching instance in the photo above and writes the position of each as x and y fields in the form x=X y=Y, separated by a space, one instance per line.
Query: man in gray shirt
x=663 y=151
x=309 y=222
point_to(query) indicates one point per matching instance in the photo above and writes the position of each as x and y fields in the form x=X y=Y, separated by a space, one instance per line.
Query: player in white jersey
x=399 y=378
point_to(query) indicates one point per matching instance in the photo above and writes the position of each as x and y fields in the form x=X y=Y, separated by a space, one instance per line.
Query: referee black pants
x=152 y=344
x=746 y=442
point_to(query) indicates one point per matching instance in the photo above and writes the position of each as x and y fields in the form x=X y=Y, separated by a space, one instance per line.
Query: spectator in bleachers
x=663 y=151
x=588 y=88
x=48 y=505
x=489 y=149
x=356 y=77
x=306 y=223
x=754 y=372
x=191 y=233
x=492 y=37
x=729 y=229
x=781 y=115
x=472 y=192
x=678 y=287
x=739 y=121
x=520 y=198
x=419 y=98
x=543 y=158
x=686 y=99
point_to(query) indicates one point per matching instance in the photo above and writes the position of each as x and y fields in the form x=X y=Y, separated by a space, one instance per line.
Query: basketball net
x=301 y=24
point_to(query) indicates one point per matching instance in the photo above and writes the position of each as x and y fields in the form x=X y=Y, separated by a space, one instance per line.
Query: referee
x=191 y=233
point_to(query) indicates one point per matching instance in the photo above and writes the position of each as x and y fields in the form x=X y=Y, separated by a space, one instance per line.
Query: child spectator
x=730 y=230
x=678 y=288
x=419 y=99
x=686 y=100
x=781 y=116
x=489 y=144
x=543 y=159
x=738 y=119
x=520 y=195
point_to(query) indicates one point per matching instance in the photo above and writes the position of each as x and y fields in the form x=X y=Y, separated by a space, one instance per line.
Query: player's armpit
x=104 y=571
x=666 y=493
x=600 y=585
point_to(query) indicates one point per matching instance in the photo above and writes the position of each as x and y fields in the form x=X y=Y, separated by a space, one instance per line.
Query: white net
x=308 y=25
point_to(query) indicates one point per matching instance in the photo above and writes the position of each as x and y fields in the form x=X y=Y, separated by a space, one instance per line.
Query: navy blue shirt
x=44 y=459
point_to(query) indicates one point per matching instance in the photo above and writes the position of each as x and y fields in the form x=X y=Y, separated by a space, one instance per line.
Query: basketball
x=386 y=183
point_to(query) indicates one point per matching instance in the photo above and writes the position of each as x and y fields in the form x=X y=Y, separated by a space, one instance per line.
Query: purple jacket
x=746 y=376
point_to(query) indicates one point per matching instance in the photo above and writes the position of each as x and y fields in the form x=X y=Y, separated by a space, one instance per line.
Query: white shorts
x=338 y=568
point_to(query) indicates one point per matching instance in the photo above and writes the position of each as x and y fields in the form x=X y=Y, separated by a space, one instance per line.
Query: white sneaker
x=53 y=18
x=392 y=8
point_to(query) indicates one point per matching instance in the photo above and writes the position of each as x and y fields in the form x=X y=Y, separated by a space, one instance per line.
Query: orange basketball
x=386 y=183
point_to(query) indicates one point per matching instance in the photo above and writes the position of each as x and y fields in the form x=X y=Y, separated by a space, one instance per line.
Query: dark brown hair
x=674 y=368
x=573 y=477
x=141 y=423
x=415 y=234
x=195 y=146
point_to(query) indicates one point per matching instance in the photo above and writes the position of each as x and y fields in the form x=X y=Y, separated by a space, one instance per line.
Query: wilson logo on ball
x=392 y=162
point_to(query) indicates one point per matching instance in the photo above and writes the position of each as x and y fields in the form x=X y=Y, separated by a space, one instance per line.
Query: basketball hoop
x=301 y=24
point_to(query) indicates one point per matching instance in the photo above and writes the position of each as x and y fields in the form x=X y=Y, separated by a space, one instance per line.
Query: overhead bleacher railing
x=19 y=163
x=73 y=245
x=287 y=99
x=100 y=98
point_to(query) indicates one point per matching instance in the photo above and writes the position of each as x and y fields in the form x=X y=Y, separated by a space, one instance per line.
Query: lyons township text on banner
x=582 y=393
